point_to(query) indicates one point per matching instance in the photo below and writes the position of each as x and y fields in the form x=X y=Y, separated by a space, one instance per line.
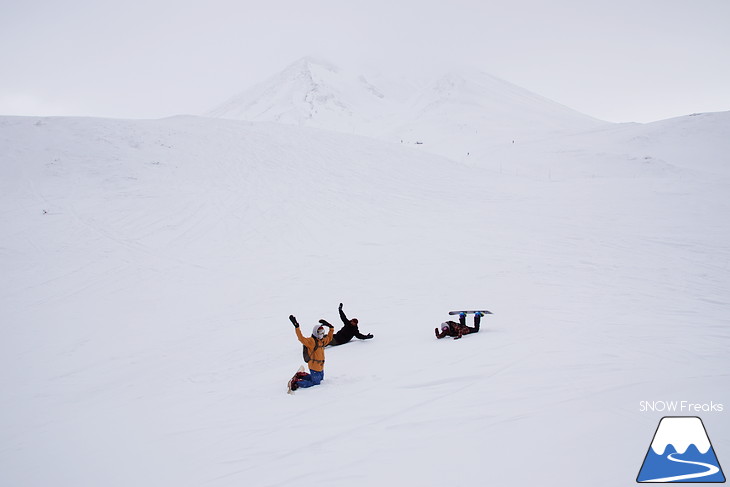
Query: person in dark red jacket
x=348 y=331
x=458 y=330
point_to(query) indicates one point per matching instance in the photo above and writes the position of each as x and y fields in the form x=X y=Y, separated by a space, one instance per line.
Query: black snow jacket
x=347 y=332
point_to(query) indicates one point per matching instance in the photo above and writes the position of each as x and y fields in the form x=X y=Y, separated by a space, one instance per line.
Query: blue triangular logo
x=681 y=452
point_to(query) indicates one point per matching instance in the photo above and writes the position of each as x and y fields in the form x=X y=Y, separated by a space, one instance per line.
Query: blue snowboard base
x=482 y=311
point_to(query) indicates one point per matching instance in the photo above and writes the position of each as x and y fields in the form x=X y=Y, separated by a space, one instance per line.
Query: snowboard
x=288 y=384
x=482 y=311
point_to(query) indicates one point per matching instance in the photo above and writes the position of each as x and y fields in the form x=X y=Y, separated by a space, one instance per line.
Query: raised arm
x=326 y=340
x=343 y=317
x=300 y=337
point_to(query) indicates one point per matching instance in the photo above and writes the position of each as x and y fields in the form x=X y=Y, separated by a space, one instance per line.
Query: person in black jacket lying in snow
x=347 y=332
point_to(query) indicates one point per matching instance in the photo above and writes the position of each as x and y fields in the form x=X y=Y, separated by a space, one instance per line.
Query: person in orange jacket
x=313 y=353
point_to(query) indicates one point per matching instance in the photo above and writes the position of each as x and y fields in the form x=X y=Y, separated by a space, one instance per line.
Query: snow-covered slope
x=452 y=115
x=694 y=143
x=149 y=268
x=468 y=109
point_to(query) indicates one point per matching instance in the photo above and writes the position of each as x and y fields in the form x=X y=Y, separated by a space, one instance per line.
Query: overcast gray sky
x=618 y=60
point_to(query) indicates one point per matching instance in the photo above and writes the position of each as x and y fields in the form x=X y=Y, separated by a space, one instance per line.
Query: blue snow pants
x=311 y=379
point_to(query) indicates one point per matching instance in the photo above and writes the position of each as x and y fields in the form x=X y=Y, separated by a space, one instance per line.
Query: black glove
x=340 y=307
x=368 y=336
x=293 y=321
x=325 y=323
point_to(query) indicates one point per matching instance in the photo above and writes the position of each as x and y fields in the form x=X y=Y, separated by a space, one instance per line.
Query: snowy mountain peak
x=452 y=115
x=310 y=69
x=312 y=62
x=310 y=92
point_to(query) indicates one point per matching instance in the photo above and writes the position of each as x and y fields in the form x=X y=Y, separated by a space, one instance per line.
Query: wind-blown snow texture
x=149 y=268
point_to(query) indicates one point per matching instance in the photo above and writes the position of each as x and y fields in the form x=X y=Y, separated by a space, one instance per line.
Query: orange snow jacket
x=315 y=348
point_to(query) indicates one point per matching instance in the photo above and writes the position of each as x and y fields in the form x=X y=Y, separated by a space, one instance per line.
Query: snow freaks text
x=680 y=407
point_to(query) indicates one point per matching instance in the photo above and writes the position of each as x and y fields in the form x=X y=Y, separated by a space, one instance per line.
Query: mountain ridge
x=448 y=113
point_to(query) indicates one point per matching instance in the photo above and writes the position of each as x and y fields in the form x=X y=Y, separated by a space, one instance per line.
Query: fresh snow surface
x=149 y=268
x=693 y=143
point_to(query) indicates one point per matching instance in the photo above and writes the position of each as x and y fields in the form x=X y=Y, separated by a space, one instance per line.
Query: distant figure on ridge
x=458 y=330
x=348 y=331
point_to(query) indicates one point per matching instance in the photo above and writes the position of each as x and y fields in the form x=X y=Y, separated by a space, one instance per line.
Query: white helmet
x=319 y=331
